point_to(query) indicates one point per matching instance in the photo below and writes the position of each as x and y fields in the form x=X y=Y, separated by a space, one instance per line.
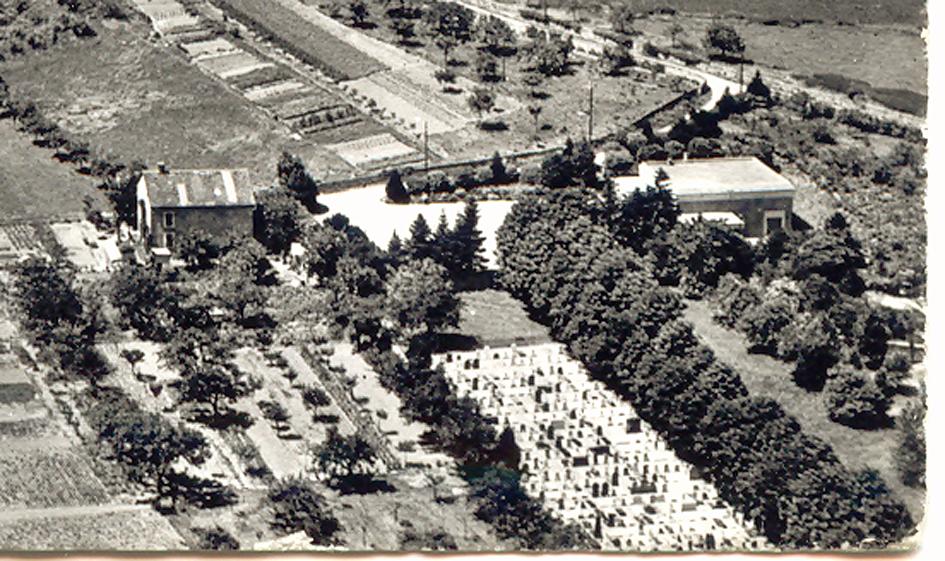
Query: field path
x=17 y=514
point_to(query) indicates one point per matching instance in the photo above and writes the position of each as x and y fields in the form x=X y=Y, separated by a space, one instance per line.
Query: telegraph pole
x=426 y=147
x=590 y=114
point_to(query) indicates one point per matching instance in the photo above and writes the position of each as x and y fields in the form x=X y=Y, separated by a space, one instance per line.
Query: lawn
x=770 y=378
x=495 y=319
x=144 y=102
x=30 y=178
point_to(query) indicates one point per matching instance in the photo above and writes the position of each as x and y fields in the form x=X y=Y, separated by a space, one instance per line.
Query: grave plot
x=590 y=458
x=371 y=149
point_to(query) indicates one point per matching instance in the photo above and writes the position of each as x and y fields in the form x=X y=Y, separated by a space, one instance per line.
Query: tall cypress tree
x=469 y=240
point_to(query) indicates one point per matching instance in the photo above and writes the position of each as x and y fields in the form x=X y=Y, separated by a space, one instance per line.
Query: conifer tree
x=469 y=240
x=420 y=244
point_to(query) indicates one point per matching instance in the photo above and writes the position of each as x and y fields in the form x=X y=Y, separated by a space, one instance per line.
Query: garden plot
x=209 y=48
x=47 y=477
x=232 y=64
x=371 y=149
x=367 y=210
x=166 y=15
x=260 y=93
x=408 y=104
x=117 y=528
x=87 y=248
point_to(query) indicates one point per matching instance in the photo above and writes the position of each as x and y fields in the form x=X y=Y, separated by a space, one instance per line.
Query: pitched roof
x=177 y=188
x=718 y=176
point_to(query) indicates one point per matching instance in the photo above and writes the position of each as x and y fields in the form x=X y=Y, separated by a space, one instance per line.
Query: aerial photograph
x=639 y=276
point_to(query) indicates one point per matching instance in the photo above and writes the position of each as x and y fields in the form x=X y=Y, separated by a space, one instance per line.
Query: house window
x=168 y=219
x=169 y=240
x=774 y=221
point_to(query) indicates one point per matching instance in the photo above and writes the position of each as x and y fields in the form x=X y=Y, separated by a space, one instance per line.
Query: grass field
x=30 y=179
x=770 y=378
x=906 y=12
x=495 y=319
x=140 y=101
x=881 y=56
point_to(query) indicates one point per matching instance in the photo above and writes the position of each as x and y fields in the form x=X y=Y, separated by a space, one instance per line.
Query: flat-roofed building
x=175 y=203
x=760 y=197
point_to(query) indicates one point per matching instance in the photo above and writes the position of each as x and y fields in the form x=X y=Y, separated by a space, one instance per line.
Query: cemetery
x=591 y=459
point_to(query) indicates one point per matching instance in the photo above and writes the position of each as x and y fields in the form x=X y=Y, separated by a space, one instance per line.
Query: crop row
x=304 y=40
x=43 y=479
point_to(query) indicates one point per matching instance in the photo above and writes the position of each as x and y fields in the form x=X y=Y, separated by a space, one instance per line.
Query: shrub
x=216 y=539
x=910 y=459
x=296 y=506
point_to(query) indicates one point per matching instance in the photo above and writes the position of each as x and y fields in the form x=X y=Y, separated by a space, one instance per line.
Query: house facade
x=172 y=204
x=742 y=192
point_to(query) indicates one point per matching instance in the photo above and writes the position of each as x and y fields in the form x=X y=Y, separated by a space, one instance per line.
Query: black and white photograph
x=470 y=276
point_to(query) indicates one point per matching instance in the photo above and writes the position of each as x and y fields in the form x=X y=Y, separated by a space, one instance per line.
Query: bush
x=216 y=539
x=855 y=400
x=296 y=506
x=910 y=459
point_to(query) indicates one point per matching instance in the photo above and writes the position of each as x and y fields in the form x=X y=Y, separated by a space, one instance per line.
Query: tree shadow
x=494 y=126
x=363 y=485
x=226 y=419
x=451 y=342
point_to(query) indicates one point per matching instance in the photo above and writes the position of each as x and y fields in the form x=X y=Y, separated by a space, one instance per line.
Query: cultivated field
x=139 y=528
x=45 y=478
x=30 y=178
x=143 y=102
x=309 y=42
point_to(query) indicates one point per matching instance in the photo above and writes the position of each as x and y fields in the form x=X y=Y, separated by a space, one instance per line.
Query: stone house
x=172 y=204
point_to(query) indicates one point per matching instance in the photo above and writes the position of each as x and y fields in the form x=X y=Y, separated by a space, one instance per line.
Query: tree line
x=559 y=254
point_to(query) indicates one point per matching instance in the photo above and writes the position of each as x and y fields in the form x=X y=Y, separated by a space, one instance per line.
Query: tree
x=622 y=18
x=200 y=249
x=910 y=456
x=615 y=59
x=215 y=386
x=724 y=40
x=758 y=89
x=450 y=24
x=216 y=539
x=834 y=254
x=855 y=400
x=675 y=31
x=132 y=357
x=534 y=109
x=420 y=299
x=345 y=460
x=445 y=76
x=405 y=29
x=500 y=174
x=297 y=506
x=395 y=190
x=498 y=38
x=149 y=447
x=487 y=67
x=359 y=12
x=574 y=165
x=295 y=177
x=482 y=100
x=549 y=54
x=469 y=241
x=278 y=220
x=145 y=300
x=241 y=280
x=420 y=244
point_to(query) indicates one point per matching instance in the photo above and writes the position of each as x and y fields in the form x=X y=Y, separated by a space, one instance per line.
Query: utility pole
x=590 y=114
x=426 y=147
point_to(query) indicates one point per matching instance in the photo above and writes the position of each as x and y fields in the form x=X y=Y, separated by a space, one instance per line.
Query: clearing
x=770 y=378
x=495 y=319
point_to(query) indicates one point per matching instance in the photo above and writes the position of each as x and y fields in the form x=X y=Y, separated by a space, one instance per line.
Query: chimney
x=162 y=167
